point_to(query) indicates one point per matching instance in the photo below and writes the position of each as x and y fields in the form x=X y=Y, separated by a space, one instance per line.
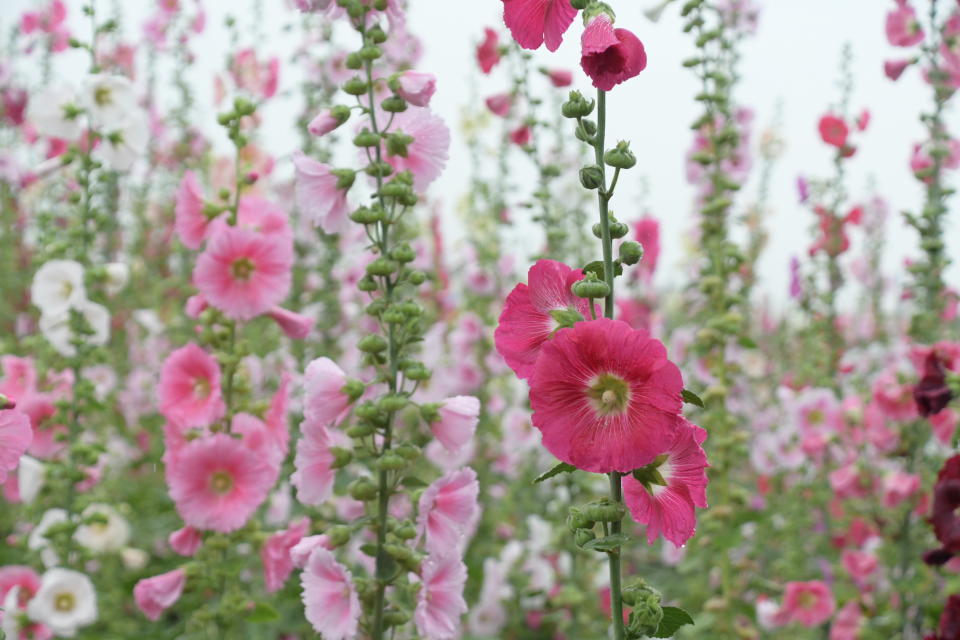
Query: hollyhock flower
x=605 y=397
x=264 y=441
x=534 y=311
x=807 y=603
x=488 y=52
x=859 y=564
x=535 y=22
x=15 y=437
x=54 y=111
x=668 y=508
x=946 y=501
x=65 y=601
x=903 y=28
x=244 y=273
x=31 y=476
x=217 y=483
x=893 y=69
x=185 y=541
x=610 y=56
x=109 y=533
x=108 y=99
x=312 y=6
x=440 y=602
x=296 y=326
x=944 y=425
x=932 y=393
x=321 y=193
x=249 y=74
x=949 y=627
x=156 y=594
x=458 y=418
x=314 y=473
x=833 y=130
x=300 y=552
x=448 y=511
x=191 y=223
x=120 y=148
x=416 y=88
x=560 y=77
x=275 y=554
x=189 y=388
x=57 y=286
x=893 y=398
x=500 y=104
x=521 y=136
x=647 y=233
x=846 y=626
x=331 y=602
x=328 y=392
x=326 y=121
x=428 y=153
x=898 y=487
x=56 y=327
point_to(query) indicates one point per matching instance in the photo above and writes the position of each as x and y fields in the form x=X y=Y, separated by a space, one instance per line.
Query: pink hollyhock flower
x=196 y=305
x=488 y=52
x=458 y=422
x=154 y=595
x=327 y=393
x=903 y=28
x=560 y=77
x=276 y=415
x=331 y=602
x=535 y=22
x=859 y=564
x=416 y=88
x=428 y=153
x=833 y=130
x=191 y=222
x=300 y=552
x=185 y=541
x=610 y=56
x=448 y=511
x=257 y=437
x=893 y=69
x=894 y=398
x=325 y=122
x=312 y=6
x=668 y=509
x=259 y=79
x=846 y=626
x=521 y=136
x=18 y=576
x=296 y=326
x=532 y=313
x=605 y=396
x=944 y=425
x=217 y=482
x=440 y=602
x=260 y=215
x=189 y=389
x=647 y=233
x=275 y=554
x=244 y=273
x=15 y=436
x=314 y=473
x=898 y=487
x=322 y=194
x=807 y=603
x=500 y=104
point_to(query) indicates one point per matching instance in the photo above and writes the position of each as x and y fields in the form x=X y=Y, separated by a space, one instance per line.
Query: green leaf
x=263 y=612
x=691 y=398
x=673 y=619
x=747 y=342
x=608 y=543
x=563 y=467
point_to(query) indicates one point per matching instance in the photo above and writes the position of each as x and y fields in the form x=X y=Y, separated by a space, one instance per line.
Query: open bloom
x=110 y=534
x=807 y=603
x=666 y=503
x=428 y=153
x=903 y=28
x=458 y=421
x=217 y=482
x=610 y=56
x=109 y=99
x=416 y=87
x=275 y=554
x=65 y=602
x=440 y=602
x=321 y=194
x=534 y=311
x=15 y=437
x=833 y=130
x=58 y=332
x=314 y=473
x=535 y=22
x=57 y=286
x=448 y=511
x=54 y=112
x=190 y=222
x=154 y=595
x=244 y=273
x=189 y=389
x=605 y=396
x=326 y=395
x=332 y=604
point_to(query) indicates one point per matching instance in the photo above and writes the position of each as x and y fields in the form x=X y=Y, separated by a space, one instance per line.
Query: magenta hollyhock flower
x=314 y=473
x=275 y=554
x=488 y=52
x=321 y=194
x=833 y=130
x=535 y=22
x=893 y=69
x=416 y=87
x=448 y=511
x=154 y=595
x=191 y=222
x=647 y=233
x=807 y=603
x=15 y=437
x=325 y=385
x=458 y=422
x=903 y=28
x=946 y=501
x=521 y=136
x=560 y=77
x=296 y=326
x=189 y=389
x=244 y=273
x=605 y=396
x=610 y=56
x=217 y=482
x=500 y=104
x=531 y=313
x=329 y=598
x=668 y=509
x=440 y=602
x=428 y=153
x=185 y=541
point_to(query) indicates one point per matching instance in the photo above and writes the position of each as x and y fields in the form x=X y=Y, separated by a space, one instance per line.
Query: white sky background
x=793 y=62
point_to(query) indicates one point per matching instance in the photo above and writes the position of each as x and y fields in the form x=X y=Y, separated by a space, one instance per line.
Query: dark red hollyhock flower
x=488 y=53
x=932 y=393
x=834 y=130
x=610 y=56
x=946 y=523
x=949 y=621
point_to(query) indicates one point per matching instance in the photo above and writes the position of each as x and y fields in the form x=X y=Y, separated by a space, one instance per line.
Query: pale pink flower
x=807 y=603
x=448 y=511
x=296 y=326
x=300 y=552
x=859 y=564
x=846 y=626
x=440 y=602
x=500 y=104
x=154 y=595
x=260 y=79
x=314 y=474
x=428 y=153
x=331 y=602
x=191 y=222
x=416 y=88
x=189 y=388
x=321 y=194
x=458 y=422
x=325 y=385
x=185 y=541
x=903 y=28
x=898 y=487
x=275 y=554
x=15 y=437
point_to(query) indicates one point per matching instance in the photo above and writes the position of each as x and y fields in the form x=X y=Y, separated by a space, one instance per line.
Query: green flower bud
x=362 y=489
x=372 y=344
x=565 y=318
x=577 y=106
x=376 y=308
x=366 y=138
x=366 y=215
x=583 y=536
x=394 y=104
x=354 y=61
x=646 y=612
x=618 y=230
x=395 y=618
x=586 y=130
x=391 y=462
x=361 y=430
x=416 y=372
x=378 y=169
x=408 y=450
x=591 y=176
x=392 y=403
x=403 y=253
x=244 y=107
x=604 y=510
x=631 y=252
x=376 y=35
x=394 y=316
x=367 y=411
x=381 y=267
x=397 y=143
x=355 y=86
x=406 y=531
x=577 y=520
x=367 y=284
x=590 y=287
x=620 y=157
x=370 y=52
x=338 y=535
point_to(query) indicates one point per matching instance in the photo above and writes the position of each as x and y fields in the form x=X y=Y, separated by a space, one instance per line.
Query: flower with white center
x=65 y=602
x=31 y=476
x=120 y=147
x=55 y=112
x=103 y=530
x=118 y=275
x=38 y=537
x=57 y=286
x=109 y=99
x=56 y=328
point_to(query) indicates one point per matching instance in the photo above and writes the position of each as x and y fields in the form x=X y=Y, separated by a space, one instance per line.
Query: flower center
x=815 y=416
x=66 y=289
x=610 y=394
x=102 y=96
x=807 y=600
x=242 y=269
x=201 y=388
x=221 y=482
x=64 y=602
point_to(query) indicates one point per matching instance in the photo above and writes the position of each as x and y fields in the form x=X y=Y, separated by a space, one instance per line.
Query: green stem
x=616 y=591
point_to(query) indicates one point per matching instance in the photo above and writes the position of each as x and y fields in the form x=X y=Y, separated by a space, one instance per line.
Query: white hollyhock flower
x=56 y=328
x=54 y=112
x=65 y=602
x=118 y=274
x=109 y=99
x=57 y=286
x=38 y=537
x=120 y=147
x=134 y=559
x=12 y=622
x=31 y=475
x=110 y=533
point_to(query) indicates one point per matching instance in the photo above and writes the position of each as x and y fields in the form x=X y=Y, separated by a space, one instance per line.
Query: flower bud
x=591 y=176
x=577 y=106
x=397 y=143
x=341 y=457
x=372 y=344
x=355 y=86
x=395 y=618
x=362 y=489
x=604 y=510
x=370 y=52
x=590 y=287
x=644 y=602
x=631 y=252
x=366 y=138
x=417 y=278
x=391 y=462
x=577 y=520
x=381 y=267
x=586 y=130
x=620 y=157
x=361 y=430
x=583 y=536
x=618 y=229
x=392 y=403
x=338 y=535
x=403 y=253
x=394 y=104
